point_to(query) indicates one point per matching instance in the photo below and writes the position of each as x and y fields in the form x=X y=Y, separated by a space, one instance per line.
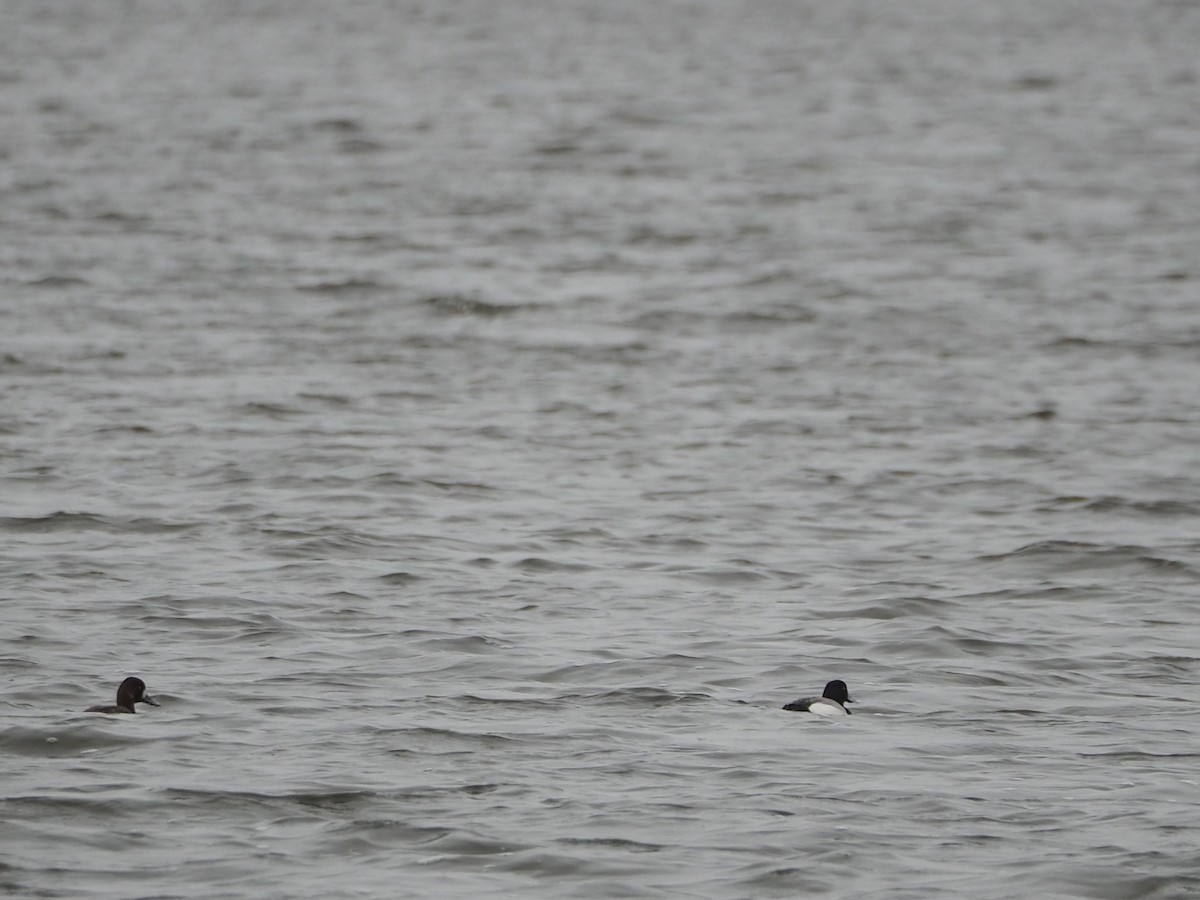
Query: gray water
x=475 y=420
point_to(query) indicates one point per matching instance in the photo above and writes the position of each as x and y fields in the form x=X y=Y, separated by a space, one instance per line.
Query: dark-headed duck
x=831 y=703
x=131 y=691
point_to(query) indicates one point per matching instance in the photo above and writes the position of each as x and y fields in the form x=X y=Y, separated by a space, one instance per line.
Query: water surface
x=476 y=420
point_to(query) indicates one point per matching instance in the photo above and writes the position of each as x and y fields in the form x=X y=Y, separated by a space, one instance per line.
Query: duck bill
x=148 y=699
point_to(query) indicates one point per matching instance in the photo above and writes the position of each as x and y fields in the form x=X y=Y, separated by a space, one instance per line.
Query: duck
x=132 y=690
x=832 y=701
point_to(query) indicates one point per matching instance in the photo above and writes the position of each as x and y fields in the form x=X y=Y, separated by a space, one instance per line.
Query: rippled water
x=476 y=420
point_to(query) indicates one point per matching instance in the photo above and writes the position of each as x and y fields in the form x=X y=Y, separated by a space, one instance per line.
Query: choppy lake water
x=475 y=420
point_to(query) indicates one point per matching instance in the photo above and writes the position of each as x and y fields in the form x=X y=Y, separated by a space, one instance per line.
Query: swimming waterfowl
x=831 y=703
x=131 y=691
